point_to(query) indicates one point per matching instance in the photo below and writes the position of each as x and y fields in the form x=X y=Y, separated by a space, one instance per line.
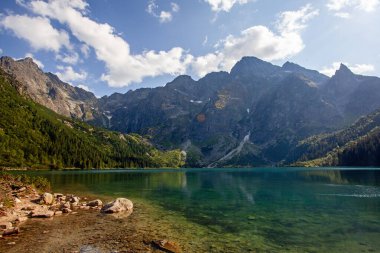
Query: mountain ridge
x=210 y=117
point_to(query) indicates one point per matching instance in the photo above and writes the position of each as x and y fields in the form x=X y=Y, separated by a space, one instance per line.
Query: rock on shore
x=117 y=206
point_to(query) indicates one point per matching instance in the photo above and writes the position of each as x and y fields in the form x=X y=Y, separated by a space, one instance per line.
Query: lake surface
x=248 y=210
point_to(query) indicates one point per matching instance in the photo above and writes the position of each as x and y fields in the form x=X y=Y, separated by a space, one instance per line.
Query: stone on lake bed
x=96 y=202
x=10 y=231
x=42 y=212
x=167 y=246
x=118 y=205
x=21 y=218
x=5 y=225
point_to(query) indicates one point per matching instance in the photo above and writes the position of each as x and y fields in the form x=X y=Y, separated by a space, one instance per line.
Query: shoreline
x=55 y=222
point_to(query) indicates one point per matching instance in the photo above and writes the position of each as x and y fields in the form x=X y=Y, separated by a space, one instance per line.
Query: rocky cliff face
x=48 y=90
x=353 y=95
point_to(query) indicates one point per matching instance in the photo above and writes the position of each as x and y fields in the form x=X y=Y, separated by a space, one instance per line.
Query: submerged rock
x=5 y=225
x=41 y=212
x=96 y=202
x=10 y=231
x=167 y=246
x=118 y=205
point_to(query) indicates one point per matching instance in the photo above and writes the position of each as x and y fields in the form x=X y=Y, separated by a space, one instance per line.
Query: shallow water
x=248 y=210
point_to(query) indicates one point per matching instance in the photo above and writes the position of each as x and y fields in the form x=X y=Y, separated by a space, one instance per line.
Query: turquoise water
x=250 y=210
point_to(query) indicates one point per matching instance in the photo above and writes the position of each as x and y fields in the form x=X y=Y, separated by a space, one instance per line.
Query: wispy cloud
x=163 y=16
x=68 y=74
x=342 y=8
x=225 y=5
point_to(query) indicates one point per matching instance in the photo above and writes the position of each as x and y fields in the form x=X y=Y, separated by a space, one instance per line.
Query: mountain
x=48 y=90
x=313 y=75
x=33 y=136
x=357 y=145
x=255 y=115
x=265 y=108
x=353 y=95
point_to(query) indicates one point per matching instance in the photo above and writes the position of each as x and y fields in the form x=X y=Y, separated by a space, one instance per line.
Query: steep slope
x=357 y=145
x=353 y=95
x=34 y=136
x=312 y=75
x=48 y=90
x=288 y=113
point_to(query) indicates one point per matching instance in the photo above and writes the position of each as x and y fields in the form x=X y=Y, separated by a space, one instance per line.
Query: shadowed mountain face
x=251 y=116
x=353 y=95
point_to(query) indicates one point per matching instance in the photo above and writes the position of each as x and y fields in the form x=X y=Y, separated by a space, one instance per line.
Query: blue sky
x=111 y=46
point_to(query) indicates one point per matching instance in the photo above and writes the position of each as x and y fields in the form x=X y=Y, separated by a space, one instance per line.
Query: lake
x=247 y=210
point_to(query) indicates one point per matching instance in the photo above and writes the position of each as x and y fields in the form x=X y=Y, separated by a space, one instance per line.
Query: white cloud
x=224 y=5
x=37 y=31
x=164 y=16
x=84 y=87
x=341 y=7
x=39 y=63
x=122 y=67
x=1 y=51
x=356 y=68
x=343 y=15
x=85 y=49
x=175 y=7
x=204 y=43
x=368 y=5
x=259 y=41
x=69 y=59
x=68 y=74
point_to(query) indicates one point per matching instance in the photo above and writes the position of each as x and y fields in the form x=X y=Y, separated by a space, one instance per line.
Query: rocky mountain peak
x=47 y=89
x=344 y=71
x=313 y=75
x=253 y=66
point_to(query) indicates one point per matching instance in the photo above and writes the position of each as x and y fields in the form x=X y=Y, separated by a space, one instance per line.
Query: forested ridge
x=36 y=137
x=357 y=145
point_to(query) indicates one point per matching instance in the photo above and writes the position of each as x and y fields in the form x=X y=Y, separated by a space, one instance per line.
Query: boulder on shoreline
x=117 y=206
x=47 y=198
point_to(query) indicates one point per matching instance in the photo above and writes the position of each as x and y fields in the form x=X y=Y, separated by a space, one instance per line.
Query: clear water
x=248 y=210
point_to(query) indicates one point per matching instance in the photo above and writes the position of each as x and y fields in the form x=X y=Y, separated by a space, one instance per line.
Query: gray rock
x=41 y=213
x=10 y=231
x=118 y=205
x=47 y=198
x=96 y=202
x=5 y=225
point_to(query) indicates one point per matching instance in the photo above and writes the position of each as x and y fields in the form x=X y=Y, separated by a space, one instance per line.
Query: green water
x=249 y=210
